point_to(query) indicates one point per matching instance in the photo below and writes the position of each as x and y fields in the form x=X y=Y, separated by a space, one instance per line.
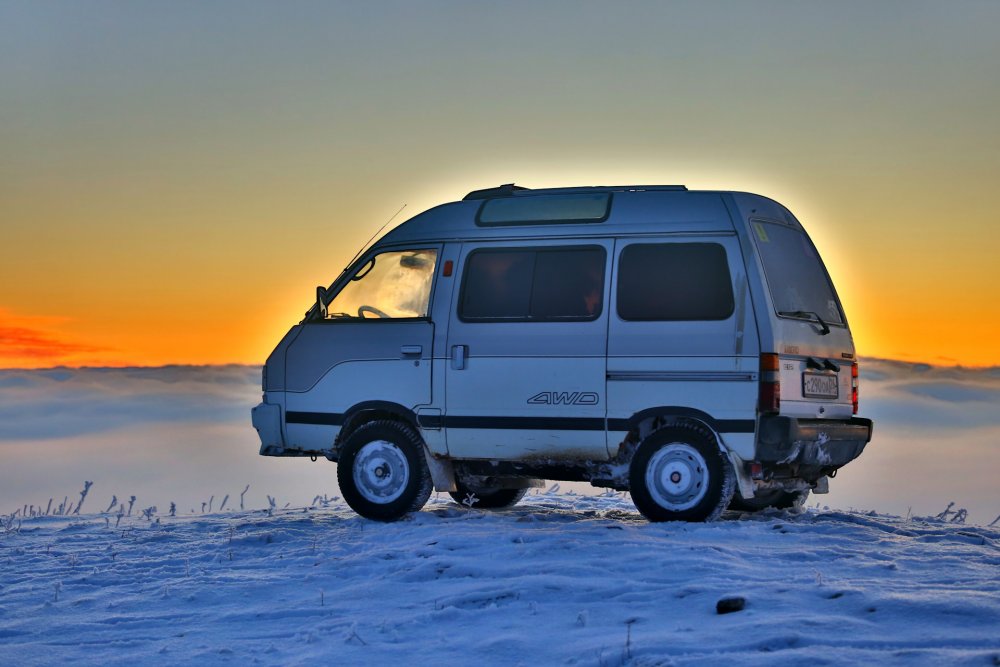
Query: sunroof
x=545 y=209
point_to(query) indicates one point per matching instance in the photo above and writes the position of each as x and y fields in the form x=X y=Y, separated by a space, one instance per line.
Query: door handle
x=458 y=354
x=411 y=349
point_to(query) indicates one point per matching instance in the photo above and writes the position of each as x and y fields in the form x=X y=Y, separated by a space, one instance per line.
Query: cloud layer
x=62 y=403
x=183 y=434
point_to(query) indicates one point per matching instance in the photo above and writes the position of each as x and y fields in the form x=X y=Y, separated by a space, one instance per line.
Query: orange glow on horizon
x=184 y=302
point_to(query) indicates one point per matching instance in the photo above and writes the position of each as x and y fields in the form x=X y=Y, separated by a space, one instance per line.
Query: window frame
x=535 y=249
x=637 y=243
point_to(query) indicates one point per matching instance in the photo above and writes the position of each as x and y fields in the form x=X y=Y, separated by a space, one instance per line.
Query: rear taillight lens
x=854 y=387
x=769 y=394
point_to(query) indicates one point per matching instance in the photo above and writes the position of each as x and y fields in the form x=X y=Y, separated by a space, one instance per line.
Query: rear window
x=533 y=284
x=674 y=281
x=795 y=273
x=545 y=209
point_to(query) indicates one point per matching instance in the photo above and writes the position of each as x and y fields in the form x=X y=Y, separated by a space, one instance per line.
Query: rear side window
x=795 y=274
x=533 y=284
x=674 y=281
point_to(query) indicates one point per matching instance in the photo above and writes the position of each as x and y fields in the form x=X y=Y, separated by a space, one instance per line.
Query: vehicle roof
x=634 y=209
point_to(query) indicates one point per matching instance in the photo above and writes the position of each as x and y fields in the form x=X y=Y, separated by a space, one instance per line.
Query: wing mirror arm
x=321 y=302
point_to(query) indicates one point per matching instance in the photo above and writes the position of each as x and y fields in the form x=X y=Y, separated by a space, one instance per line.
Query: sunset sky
x=175 y=178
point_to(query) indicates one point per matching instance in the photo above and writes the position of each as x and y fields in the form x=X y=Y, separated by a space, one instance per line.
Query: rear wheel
x=382 y=471
x=679 y=474
x=486 y=498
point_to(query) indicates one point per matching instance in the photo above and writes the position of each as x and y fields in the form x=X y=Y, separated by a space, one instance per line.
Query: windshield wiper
x=806 y=314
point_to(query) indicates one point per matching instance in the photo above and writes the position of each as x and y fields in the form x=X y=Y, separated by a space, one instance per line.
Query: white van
x=686 y=346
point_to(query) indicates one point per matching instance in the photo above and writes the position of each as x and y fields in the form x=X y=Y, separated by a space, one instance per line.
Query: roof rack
x=511 y=190
x=505 y=190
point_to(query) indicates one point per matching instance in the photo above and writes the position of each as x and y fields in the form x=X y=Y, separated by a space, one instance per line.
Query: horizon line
x=63 y=367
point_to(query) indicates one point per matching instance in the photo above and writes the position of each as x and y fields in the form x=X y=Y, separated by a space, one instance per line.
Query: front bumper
x=823 y=443
x=266 y=418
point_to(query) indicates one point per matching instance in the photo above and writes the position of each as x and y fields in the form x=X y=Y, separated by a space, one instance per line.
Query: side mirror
x=321 y=302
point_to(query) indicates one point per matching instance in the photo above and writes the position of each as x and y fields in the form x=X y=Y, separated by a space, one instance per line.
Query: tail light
x=854 y=387
x=769 y=394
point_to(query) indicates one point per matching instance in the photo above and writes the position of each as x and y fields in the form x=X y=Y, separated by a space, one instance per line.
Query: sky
x=175 y=178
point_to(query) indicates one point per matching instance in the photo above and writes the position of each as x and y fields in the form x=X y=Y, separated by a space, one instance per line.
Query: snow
x=559 y=579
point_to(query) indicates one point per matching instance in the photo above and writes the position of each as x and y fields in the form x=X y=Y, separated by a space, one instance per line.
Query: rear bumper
x=266 y=418
x=812 y=442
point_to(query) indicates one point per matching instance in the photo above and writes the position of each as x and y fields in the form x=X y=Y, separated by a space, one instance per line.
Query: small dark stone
x=730 y=604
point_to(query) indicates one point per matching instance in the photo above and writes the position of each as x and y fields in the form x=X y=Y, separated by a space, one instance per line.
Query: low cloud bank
x=918 y=395
x=169 y=434
x=937 y=440
x=64 y=403
x=182 y=434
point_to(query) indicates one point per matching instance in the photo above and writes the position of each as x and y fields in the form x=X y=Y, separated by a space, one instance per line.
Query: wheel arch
x=368 y=411
x=644 y=422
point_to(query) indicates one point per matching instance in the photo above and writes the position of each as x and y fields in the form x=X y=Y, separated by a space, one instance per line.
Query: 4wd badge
x=565 y=398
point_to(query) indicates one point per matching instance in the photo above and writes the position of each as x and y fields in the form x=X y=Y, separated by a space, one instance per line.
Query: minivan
x=686 y=346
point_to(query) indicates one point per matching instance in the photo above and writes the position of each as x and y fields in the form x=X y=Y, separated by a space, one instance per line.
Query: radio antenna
x=368 y=242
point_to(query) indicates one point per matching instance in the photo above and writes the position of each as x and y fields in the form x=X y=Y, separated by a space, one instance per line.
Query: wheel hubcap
x=677 y=476
x=381 y=472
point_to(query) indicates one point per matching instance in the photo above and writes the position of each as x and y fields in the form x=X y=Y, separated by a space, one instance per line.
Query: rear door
x=526 y=347
x=811 y=335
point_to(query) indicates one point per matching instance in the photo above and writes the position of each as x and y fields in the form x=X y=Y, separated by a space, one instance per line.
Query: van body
x=688 y=346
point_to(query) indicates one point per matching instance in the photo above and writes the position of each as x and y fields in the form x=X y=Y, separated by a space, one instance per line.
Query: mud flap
x=743 y=482
x=442 y=473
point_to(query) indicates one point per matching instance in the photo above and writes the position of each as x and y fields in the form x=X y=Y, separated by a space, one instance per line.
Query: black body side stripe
x=720 y=425
x=528 y=423
x=319 y=418
x=524 y=423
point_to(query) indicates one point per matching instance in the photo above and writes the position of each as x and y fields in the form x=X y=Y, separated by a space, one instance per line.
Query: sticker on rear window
x=761 y=232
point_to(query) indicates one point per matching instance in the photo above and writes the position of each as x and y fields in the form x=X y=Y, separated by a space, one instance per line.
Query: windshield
x=391 y=285
x=795 y=273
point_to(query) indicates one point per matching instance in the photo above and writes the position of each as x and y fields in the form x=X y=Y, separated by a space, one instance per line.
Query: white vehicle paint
x=679 y=344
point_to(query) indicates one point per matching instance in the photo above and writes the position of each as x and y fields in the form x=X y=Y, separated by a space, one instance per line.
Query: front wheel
x=679 y=474
x=382 y=471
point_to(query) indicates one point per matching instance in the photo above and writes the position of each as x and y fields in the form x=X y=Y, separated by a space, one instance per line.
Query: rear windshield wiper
x=806 y=314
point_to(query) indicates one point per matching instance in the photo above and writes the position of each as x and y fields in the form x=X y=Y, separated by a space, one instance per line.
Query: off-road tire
x=678 y=473
x=487 y=499
x=402 y=454
x=794 y=501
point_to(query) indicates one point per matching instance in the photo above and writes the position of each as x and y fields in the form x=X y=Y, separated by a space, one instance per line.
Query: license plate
x=816 y=385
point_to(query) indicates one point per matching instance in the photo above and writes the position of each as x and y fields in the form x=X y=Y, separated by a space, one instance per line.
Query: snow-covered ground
x=560 y=579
